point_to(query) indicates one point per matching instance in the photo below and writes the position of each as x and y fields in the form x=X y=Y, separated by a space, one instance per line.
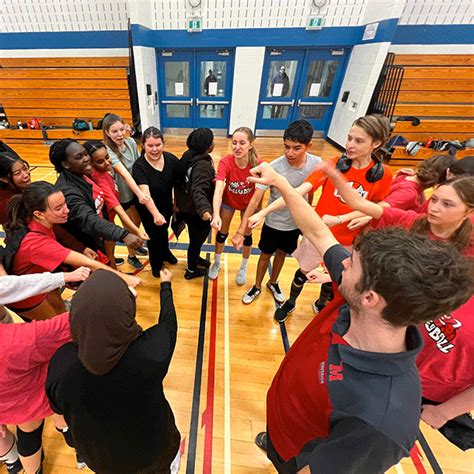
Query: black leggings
x=198 y=231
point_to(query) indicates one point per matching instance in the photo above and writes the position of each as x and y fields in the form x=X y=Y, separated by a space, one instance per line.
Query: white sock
x=11 y=456
x=244 y=263
x=217 y=258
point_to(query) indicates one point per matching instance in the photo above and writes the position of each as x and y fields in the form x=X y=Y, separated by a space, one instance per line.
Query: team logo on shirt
x=354 y=185
x=443 y=332
x=240 y=187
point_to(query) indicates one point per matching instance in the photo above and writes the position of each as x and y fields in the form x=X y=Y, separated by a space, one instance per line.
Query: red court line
x=208 y=413
x=416 y=457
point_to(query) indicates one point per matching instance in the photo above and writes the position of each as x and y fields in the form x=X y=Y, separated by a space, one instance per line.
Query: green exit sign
x=194 y=25
x=315 y=23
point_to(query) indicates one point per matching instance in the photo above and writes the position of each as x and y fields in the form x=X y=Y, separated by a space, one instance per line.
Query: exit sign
x=194 y=25
x=315 y=23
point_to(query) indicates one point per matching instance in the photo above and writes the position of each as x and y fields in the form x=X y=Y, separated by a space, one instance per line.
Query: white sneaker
x=276 y=292
x=251 y=295
x=214 y=271
x=174 y=468
x=241 y=277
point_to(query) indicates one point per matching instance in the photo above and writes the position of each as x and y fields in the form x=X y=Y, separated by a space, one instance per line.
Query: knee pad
x=327 y=292
x=220 y=237
x=29 y=443
x=248 y=241
x=300 y=278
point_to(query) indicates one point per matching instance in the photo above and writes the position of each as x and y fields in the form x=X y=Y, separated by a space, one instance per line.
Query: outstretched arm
x=303 y=214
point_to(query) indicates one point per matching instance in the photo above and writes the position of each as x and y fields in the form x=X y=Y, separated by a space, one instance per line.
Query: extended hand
x=255 y=220
x=79 y=274
x=433 y=416
x=133 y=241
x=90 y=253
x=263 y=174
x=216 y=223
x=315 y=276
x=359 y=222
x=238 y=241
x=165 y=275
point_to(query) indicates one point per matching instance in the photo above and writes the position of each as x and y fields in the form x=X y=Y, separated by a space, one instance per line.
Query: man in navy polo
x=347 y=397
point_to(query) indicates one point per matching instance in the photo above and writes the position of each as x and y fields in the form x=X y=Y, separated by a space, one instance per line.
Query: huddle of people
x=398 y=271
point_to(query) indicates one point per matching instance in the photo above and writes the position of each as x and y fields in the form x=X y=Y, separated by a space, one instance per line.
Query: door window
x=177 y=78
x=281 y=78
x=320 y=78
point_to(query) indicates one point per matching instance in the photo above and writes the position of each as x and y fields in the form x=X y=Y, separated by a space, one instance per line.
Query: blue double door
x=195 y=88
x=299 y=84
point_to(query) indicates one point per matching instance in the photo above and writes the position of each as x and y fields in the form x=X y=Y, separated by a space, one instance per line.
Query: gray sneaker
x=253 y=293
x=214 y=271
x=241 y=277
x=134 y=262
x=276 y=292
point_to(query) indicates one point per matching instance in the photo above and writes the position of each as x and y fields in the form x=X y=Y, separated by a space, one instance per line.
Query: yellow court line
x=399 y=469
x=227 y=429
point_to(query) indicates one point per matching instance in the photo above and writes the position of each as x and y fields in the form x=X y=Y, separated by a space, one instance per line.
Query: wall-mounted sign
x=370 y=31
x=194 y=25
x=315 y=22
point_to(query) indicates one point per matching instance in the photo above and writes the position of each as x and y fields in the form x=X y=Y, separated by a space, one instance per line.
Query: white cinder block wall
x=363 y=71
x=246 y=86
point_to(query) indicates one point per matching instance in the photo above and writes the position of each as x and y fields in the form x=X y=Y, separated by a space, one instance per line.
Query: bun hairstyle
x=22 y=206
x=378 y=127
x=151 y=132
x=253 y=157
x=434 y=169
x=57 y=153
x=92 y=146
x=200 y=140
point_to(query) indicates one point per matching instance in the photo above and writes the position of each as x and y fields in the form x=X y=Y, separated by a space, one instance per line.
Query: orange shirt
x=331 y=202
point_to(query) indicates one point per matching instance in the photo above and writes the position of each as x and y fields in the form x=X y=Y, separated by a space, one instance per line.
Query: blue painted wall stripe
x=343 y=36
x=434 y=34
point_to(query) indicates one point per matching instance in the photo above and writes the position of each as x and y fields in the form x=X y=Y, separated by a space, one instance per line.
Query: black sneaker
x=119 y=261
x=202 y=262
x=135 y=263
x=198 y=272
x=170 y=258
x=284 y=310
x=261 y=440
x=141 y=251
x=14 y=467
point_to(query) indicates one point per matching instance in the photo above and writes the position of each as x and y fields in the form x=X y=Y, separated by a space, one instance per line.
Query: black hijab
x=103 y=321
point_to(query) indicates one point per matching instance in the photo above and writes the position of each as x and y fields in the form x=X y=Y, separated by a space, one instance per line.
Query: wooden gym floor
x=226 y=352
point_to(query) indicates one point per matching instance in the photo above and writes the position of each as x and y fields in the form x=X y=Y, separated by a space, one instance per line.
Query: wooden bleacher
x=439 y=90
x=58 y=90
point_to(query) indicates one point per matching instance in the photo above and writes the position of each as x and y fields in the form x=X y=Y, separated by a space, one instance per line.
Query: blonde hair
x=253 y=157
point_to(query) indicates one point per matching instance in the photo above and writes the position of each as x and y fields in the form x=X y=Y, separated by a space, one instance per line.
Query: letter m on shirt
x=335 y=373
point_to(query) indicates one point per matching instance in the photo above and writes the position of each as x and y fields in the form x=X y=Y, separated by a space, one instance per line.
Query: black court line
x=193 y=429
x=284 y=334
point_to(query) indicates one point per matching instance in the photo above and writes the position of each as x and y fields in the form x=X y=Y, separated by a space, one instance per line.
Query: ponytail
x=252 y=155
x=22 y=206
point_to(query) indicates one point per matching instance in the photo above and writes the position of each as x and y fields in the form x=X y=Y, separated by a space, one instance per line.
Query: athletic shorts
x=272 y=240
x=129 y=204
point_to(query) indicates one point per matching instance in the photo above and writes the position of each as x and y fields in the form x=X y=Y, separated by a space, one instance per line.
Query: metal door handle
x=178 y=102
x=212 y=102
x=268 y=102
x=302 y=103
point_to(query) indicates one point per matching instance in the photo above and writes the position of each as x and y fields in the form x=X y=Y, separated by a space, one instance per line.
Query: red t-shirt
x=39 y=252
x=110 y=190
x=5 y=196
x=446 y=363
x=331 y=203
x=25 y=352
x=393 y=217
x=405 y=194
x=98 y=196
x=238 y=191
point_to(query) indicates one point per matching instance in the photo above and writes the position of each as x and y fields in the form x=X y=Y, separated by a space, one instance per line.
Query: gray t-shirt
x=129 y=156
x=282 y=220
